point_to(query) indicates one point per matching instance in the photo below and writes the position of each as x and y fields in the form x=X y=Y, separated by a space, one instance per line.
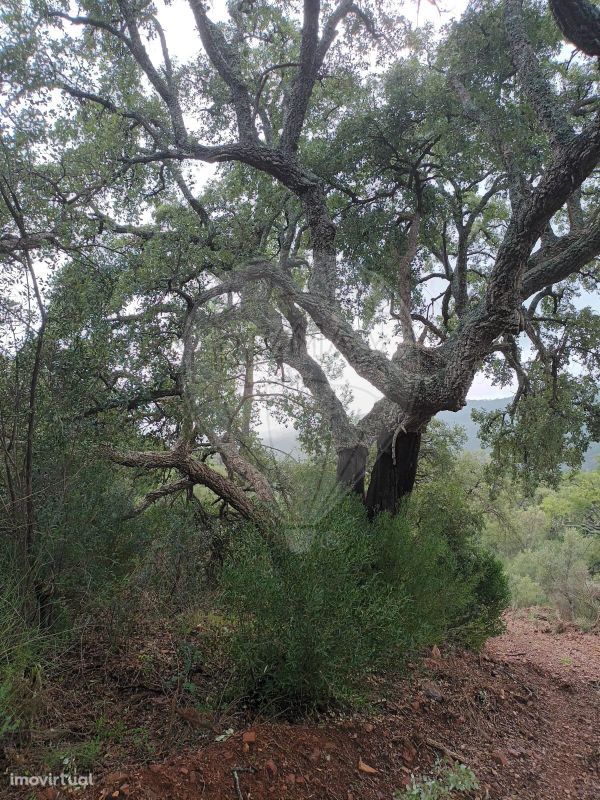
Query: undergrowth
x=347 y=598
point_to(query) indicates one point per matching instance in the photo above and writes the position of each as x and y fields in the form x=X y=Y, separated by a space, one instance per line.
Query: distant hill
x=285 y=440
x=464 y=419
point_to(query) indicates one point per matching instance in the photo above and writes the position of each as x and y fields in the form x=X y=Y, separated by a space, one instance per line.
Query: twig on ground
x=445 y=750
x=236 y=779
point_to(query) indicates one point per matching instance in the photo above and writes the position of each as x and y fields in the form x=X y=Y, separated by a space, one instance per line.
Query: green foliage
x=139 y=241
x=312 y=620
x=22 y=650
x=525 y=592
x=546 y=431
x=550 y=545
x=346 y=598
x=444 y=516
x=560 y=569
x=446 y=781
x=576 y=503
x=74 y=758
x=100 y=567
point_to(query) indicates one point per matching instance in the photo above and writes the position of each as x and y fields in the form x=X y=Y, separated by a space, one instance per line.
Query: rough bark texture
x=394 y=472
x=196 y=472
x=351 y=466
x=579 y=20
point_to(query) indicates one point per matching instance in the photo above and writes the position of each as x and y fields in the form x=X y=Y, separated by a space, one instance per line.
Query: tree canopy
x=181 y=231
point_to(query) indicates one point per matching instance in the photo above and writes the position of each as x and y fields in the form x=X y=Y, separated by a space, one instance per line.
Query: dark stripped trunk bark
x=394 y=472
x=351 y=466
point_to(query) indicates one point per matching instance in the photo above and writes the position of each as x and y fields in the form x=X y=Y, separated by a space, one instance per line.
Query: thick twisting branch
x=195 y=472
x=579 y=21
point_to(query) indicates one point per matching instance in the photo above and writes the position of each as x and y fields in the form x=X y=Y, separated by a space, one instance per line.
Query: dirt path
x=524 y=715
x=538 y=639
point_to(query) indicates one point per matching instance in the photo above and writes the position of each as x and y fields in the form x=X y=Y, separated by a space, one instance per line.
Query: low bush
x=22 y=649
x=557 y=573
x=347 y=597
x=447 y=780
x=311 y=620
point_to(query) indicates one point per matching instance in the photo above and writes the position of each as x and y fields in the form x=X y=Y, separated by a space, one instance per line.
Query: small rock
x=195 y=718
x=432 y=693
x=271 y=768
x=118 y=777
x=366 y=768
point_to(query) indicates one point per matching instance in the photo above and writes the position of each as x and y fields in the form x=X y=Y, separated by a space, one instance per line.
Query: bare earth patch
x=539 y=639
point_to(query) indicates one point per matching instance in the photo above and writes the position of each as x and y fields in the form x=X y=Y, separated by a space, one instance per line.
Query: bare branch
x=157 y=494
x=225 y=60
x=196 y=472
x=540 y=94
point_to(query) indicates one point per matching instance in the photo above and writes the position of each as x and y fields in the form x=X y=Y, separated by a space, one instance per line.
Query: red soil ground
x=524 y=715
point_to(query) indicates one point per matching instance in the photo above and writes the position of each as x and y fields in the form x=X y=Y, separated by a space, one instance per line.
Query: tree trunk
x=351 y=465
x=394 y=472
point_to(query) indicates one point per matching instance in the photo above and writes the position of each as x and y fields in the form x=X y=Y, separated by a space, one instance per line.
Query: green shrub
x=442 y=511
x=345 y=598
x=21 y=667
x=556 y=571
x=457 y=590
x=311 y=622
x=446 y=781
x=104 y=569
x=490 y=596
x=565 y=576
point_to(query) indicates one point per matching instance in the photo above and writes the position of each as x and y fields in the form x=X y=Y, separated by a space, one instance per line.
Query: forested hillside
x=212 y=214
x=284 y=440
